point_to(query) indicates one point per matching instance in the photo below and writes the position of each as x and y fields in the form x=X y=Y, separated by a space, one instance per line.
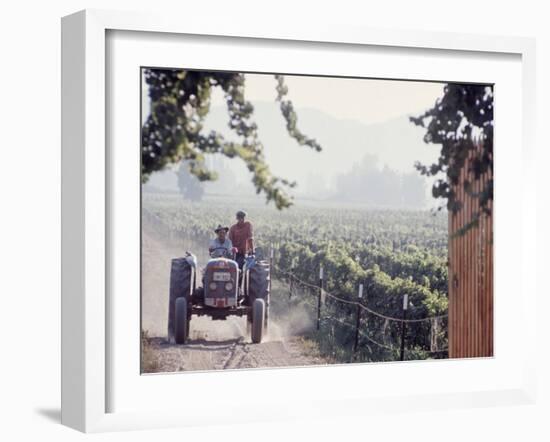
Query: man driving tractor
x=221 y=246
x=242 y=238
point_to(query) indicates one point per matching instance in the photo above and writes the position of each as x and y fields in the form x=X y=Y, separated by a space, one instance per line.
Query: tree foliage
x=461 y=121
x=376 y=186
x=180 y=101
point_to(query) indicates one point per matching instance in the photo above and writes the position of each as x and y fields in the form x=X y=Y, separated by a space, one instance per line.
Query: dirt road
x=214 y=345
x=221 y=345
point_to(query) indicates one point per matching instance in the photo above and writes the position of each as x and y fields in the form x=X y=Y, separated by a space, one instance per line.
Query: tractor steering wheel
x=226 y=254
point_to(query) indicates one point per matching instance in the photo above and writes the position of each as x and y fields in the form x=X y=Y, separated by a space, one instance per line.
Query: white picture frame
x=86 y=204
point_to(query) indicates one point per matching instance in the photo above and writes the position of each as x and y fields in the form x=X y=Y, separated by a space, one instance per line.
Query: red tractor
x=226 y=291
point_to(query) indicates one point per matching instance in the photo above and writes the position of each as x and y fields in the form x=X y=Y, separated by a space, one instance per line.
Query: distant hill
x=397 y=143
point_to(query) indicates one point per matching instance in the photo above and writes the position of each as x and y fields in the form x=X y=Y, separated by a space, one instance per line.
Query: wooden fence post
x=404 y=326
x=358 y=322
x=290 y=282
x=434 y=323
x=271 y=254
x=319 y=299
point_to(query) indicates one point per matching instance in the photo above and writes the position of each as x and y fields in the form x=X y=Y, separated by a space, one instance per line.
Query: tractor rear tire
x=258 y=281
x=258 y=288
x=258 y=320
x=181 y=321
x=181 y=286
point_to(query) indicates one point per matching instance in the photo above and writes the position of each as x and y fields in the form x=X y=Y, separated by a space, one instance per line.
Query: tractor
x=226 y=291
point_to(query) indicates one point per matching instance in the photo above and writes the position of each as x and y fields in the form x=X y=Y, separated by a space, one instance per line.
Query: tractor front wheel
x=181 y=321
x=258 y=320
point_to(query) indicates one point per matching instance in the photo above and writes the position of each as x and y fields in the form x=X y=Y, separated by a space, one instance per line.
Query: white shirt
x=220 y=249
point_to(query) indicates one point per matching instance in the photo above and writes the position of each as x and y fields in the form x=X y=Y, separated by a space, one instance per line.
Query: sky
x=365 y=100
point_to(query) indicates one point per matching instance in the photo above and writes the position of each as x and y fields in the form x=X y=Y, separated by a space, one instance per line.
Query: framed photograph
x=305 y=220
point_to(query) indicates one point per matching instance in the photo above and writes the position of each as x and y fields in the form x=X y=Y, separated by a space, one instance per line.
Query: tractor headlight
x=228 y=286
x=213 y=286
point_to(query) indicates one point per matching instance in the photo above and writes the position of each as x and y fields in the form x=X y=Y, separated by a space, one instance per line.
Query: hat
x=241 y=214
x=220 y=227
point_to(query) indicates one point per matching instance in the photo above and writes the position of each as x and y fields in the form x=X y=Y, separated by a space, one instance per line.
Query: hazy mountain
x=397 y=144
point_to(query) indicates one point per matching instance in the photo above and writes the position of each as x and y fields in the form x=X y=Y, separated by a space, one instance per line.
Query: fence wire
x=313 y=290
x=355 y=303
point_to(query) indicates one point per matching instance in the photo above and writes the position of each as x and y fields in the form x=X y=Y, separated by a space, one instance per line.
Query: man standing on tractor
x=221 y=246
x=241 y=235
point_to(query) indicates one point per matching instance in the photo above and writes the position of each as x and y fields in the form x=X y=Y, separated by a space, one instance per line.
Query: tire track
x=232 y=354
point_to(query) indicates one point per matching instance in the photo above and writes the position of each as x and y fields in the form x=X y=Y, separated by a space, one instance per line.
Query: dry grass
x=149 y=363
